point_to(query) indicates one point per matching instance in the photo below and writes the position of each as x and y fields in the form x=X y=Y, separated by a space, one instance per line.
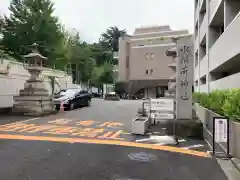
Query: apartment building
x=216 y=45
x=143 y=64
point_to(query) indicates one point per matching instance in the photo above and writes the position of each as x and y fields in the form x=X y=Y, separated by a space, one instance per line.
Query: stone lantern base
x=34 y=99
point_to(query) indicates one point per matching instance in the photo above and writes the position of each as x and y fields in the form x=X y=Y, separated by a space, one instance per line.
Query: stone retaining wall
x=206 y=116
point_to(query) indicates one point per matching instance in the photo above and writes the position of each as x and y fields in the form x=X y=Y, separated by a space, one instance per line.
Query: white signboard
x=163 y=115
x=147 y=105
x=162 y=104
x=221 y=130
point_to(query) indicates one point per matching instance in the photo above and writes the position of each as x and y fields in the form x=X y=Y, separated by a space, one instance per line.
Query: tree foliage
x=32 y=21
x=110 y=38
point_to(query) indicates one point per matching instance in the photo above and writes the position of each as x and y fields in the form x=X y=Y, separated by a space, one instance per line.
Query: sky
x=92 y=17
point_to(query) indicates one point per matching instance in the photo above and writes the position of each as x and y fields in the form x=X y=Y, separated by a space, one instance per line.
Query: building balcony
x=196 y=44
x=213 y=7
x=203 y=66
x=196 y=73
x=227 y=45
x=226 y=83
x=196 y=14
x=203 y=27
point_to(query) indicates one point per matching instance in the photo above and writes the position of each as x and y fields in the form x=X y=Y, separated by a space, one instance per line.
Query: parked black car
x=112 y=96
x=72 y=98
x=96 y=95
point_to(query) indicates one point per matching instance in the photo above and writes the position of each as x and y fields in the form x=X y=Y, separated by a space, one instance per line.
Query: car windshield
x=68 y=92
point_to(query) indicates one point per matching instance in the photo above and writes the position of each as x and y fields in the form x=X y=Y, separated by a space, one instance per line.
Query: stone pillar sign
x=184 y=78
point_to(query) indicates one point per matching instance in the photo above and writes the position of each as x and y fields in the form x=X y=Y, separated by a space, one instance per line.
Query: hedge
x=223 y=102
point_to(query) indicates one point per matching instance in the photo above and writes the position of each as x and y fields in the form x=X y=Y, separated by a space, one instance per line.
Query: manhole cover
x=142 y=156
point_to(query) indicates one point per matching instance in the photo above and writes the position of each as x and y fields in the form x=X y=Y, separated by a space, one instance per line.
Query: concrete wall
x=159 y=33
x=151 y=29
x=13 y=81
x=206 y=117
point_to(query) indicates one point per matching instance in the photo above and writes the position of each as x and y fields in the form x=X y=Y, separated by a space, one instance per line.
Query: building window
x=148 y=71
x=149 y=56
x=152 y=56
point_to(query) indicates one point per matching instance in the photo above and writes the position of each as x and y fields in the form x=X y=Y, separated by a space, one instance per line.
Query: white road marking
x=181 y=140
x=27 y=120
x=193 y=146
x=159 y=139
x=141 y=140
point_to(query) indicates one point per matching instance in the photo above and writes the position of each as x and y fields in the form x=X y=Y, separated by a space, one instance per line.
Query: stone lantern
x=34 y=62
x=34 y=99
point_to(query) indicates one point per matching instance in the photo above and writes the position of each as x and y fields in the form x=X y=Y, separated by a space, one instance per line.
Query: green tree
x=120 y=88
x=110 y=38
x=32 y=21
x=102 y=75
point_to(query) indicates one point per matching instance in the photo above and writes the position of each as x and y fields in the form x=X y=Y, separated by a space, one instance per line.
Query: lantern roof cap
x=35 y=52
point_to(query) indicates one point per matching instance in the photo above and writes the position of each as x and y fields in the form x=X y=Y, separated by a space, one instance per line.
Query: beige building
x=143 y=64
x=216 y=45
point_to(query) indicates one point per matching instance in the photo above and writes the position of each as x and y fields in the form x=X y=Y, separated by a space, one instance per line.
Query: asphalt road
x=94 y=143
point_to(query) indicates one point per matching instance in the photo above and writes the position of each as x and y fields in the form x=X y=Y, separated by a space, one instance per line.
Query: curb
x=229 y=169
x=236 y=163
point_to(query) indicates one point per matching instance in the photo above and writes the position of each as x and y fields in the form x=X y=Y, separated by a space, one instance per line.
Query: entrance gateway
x=167 y=114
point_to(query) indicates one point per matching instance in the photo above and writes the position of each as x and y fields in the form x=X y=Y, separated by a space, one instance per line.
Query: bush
x=202 y=99
x=231 y=107
x=196 y=97
x=216 y=101
x=223 y=102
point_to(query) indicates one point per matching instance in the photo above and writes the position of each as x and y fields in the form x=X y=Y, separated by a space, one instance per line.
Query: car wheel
x=88 y=102
x=72 y=106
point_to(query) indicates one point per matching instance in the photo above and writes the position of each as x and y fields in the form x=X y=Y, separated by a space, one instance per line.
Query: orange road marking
x=15 y=127
x=111 y=124
x=108 y=142
x=27 y=120
x=62 y=130
x=112 y=135
x=105 y=136
x=37 y=128
x=85 y=123
x=116 y=135
x=88 y=132
x=60 y=121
